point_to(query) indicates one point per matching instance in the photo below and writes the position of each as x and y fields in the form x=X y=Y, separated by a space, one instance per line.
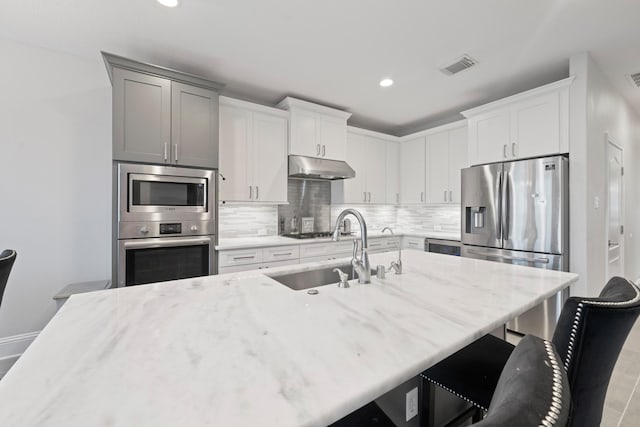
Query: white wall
x=55 y=178
x=596 y=109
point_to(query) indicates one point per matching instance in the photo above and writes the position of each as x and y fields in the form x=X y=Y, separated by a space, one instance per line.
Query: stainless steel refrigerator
x=518 y=213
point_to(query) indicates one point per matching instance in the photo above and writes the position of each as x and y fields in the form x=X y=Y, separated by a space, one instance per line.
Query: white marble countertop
x=243 y=350
x=268 y=241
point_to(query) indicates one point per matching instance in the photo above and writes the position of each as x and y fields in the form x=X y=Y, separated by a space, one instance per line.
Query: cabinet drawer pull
x=324 y=149
x=317 y=149
x=257 y=192
x=165 y=151
x=422 y=196
x=369 y=196
x=445 y=195
x=365 y=196
x=504 y=151
x=175 y=146
x=236 y=258
x=283 y=254
x=513 y=149
x=450 y=196
x=250 y=192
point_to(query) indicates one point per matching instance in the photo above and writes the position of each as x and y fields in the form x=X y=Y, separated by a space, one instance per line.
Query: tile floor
x=622 y=405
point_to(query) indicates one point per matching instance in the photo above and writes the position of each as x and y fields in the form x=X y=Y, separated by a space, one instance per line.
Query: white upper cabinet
x=253 y=152
x=446 y=156
x=530 y=124
x=458 y=160
x=412 y=170
x=367 y=155
x=316 y=130
x=430 y=164
x=393 y=172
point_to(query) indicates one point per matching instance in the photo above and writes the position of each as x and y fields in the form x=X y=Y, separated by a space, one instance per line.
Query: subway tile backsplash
x=247 y=220
x=313 y=198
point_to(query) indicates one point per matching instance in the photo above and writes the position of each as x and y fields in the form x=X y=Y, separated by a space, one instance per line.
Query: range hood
x=315 y=168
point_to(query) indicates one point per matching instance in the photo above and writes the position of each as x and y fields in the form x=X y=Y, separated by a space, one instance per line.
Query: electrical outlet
x=412 y=403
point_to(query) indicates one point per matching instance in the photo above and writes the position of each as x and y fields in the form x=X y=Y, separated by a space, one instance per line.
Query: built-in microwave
x=153 y=192
x=165 y=219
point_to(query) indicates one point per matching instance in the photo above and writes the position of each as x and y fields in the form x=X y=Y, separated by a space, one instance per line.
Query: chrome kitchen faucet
x=361 y=266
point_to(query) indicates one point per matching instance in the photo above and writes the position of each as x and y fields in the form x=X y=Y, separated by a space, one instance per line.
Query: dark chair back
x=589 y=336
x=7 y=257
x=533 y=389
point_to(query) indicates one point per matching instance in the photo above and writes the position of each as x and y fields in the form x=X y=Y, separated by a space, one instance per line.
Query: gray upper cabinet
x=194 y=125
x=162 y=116
x=141 y=117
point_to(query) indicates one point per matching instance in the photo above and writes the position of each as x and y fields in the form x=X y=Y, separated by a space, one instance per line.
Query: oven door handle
x=169 y=242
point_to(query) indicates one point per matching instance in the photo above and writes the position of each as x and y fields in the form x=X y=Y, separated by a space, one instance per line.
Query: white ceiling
x=335 y=51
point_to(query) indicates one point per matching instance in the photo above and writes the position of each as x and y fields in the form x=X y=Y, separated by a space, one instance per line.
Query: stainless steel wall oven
x=165 y=223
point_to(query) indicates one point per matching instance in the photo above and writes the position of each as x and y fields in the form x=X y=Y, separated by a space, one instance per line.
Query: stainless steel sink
x=312 y=278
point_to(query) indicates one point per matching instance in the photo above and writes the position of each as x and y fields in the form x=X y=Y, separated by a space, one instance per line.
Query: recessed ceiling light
x=169 y=3
x=386 y=82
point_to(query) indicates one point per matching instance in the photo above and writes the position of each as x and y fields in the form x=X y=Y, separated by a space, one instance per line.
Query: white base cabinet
x=253 y=152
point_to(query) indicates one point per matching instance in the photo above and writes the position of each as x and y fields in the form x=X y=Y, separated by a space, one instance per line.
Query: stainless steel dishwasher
x=448 y=247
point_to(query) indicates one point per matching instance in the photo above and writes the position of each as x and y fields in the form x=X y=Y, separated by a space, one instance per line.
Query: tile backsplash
x=307 y=198
x=313 y=198
x=376 y=216
x=425 y=218
x=247 y=220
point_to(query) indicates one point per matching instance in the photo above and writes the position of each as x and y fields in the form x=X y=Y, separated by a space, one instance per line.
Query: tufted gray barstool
x=7 y=258
x=589 y=336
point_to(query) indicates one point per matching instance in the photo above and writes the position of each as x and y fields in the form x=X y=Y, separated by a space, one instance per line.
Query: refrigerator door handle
x=511 y=258
x=506 y=207
x=498 y=202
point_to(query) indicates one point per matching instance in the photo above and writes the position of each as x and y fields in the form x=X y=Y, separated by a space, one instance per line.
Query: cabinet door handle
x=324 y=149
x=504 y=151
x=365 y=196
x=422 y=196
x=165 y=151
x=369 y=196
x=250 y=192
x=175 y=146
x=445 y=195
x=257 y=192
x=397 y=197
x=317 y=149
x=450 y=196
x=513 y=149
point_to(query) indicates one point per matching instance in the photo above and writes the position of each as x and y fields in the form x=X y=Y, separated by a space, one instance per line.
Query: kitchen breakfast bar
x=244 y=350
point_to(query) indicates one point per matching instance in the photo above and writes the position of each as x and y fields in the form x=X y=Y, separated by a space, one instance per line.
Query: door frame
x=611 y=142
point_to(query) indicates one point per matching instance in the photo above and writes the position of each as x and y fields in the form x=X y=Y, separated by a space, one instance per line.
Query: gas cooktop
x=309 y=235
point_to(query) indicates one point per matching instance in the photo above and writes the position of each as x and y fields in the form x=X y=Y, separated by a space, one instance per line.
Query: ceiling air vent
x=634 y=79
x=460 y=64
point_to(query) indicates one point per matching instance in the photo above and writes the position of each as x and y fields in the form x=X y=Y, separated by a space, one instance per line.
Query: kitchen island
x=244 y=350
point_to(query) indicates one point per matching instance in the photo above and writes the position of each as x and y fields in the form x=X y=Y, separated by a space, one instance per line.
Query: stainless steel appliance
x=166 y=223
x=518 y=213
x=440 y=246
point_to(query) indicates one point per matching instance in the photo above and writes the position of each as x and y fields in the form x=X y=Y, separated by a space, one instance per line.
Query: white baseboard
x=11 y=348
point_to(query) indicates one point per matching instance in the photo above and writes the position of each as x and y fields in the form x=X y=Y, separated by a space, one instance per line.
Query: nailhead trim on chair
x=8 y=256
x=578 y=318
x=555 y=406
x=453 y=392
